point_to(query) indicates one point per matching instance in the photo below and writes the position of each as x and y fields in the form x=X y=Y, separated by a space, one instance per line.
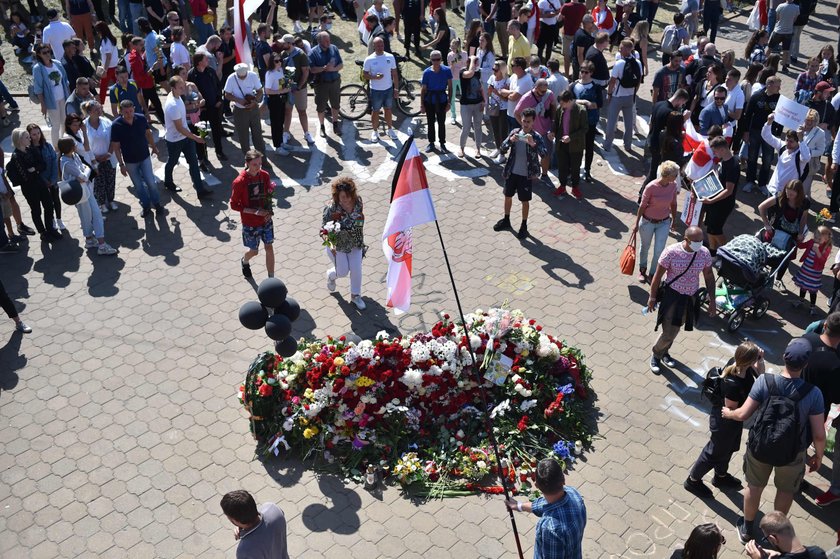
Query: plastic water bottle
x=645 y=309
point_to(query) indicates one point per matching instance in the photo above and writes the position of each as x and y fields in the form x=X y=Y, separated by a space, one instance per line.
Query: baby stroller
x=746 y=268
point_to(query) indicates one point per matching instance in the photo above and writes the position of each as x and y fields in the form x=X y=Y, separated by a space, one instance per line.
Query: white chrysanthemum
x=420 y=352
x=500 y=409
x=544 y=346
x=527 y=405
x=412 y=378
x=365 y=349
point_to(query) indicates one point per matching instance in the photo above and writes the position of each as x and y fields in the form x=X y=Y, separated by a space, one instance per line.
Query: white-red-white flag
x=411 y=205
x=242 y=10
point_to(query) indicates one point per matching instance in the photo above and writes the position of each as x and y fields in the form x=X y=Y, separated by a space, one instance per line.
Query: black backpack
x=777 y=436
x=631 y=76
x=712 y=387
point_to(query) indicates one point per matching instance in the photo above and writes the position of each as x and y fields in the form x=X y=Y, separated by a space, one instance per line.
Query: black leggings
x=436 y=112
x=277 y=115
x=412 y=32
x=590 y=147
x=213 y=115
x=546 y=40
x=6 y=303
x=811 y=295
x=151 y=96
x=39 y=197
x=55 y=194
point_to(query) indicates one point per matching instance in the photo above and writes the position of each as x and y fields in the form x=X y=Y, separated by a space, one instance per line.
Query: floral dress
x=351 y=235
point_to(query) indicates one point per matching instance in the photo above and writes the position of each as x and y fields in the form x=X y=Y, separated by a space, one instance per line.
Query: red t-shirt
x=433 y=5
x=250 y=192
x=572 y=13
x=138 y=72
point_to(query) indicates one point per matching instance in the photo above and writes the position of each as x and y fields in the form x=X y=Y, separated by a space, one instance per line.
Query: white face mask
x=328 y=26
x=695 y=245
x=241 y=75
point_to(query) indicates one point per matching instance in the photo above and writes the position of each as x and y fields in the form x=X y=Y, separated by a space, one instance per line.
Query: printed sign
x=691 y=210
x=789 y=113
x=707 y=186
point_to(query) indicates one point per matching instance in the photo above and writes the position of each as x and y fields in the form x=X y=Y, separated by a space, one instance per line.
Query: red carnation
x=265 y=390
x=523 y=423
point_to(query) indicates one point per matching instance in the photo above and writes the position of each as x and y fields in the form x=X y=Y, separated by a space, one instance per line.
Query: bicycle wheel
x=408 y=100
x=354 y=101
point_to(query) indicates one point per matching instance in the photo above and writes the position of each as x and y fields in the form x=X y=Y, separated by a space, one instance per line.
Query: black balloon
x=290 y=308
x=286 y=347
x=278 y=327
x=272 y=292
x=71 y=192
x=252 y=315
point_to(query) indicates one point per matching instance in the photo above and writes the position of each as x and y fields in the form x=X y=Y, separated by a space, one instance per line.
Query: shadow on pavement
x=367 y=323
x=340 y=518
x=12 y=360
x=557 y=260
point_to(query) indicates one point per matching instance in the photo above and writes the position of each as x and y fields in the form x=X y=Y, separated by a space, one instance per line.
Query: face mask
x=695 y=246
x=328 y=26
x=241 y=75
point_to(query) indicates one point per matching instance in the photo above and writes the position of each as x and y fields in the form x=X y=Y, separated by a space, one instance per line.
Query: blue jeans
x=175 y=149
x=6 y=96
x=91 y=217
x=204 y=30
x=125 y=16
x=658 y=232
x=137 y=11
x=758 y=146
x=771 y=20
x=143 y=179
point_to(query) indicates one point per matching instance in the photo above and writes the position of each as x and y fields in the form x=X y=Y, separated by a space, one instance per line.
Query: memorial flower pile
x=411 y=406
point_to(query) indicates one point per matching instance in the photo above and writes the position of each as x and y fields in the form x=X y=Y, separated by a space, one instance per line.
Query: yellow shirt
x=518 y=47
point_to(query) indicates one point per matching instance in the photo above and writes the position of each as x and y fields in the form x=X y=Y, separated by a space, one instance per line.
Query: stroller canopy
x=747 y=252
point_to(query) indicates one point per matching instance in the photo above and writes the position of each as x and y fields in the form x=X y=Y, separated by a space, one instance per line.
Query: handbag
x=627 y=262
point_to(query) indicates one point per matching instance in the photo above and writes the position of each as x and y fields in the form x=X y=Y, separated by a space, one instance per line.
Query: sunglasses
x=720 y=98
x=436 y=59
x=344 y=187
x=585 y=72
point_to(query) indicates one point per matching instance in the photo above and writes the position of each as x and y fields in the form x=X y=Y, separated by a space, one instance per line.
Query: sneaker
x=443 y=148
x=25 y=229
x=9 y=248
x=220 y=155
x=106 y=250
x=748 y=187
x=91 y=242
x=430 y=148
x=697 y=488
x=147 y=212
x=453 y=120
x=667 y=360
x=23 y=328
x=309 y=139
x=172 y=187
x=642 y=277
x=654 y=364
x=587 y=176
x=59 y=225
x=337 y=128
x=374 y=137
x=577 y=193
x=287 y=137
x=103 y=208
x=502 y=224
x=246 y=269
x=500 y=160
x=282 y=151
x=727 y=481
x=560 y=191
x=827 y=498
x=743 y=535
x=523 y=231
x=357 y=300
x=298 y=28
x=331 y=280
x=114 y=206
x=392 y=134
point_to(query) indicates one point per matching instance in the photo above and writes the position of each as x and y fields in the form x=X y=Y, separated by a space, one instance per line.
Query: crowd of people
x=539 y=82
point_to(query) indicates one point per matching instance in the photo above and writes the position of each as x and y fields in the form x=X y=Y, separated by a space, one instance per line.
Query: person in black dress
x=739 y=374
x=720 y=206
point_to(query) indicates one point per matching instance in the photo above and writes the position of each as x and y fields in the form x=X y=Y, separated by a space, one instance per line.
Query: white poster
x=789 y=113
x=691 y=210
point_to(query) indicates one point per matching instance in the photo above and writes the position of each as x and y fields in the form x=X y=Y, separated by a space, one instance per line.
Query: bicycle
x=355 y=98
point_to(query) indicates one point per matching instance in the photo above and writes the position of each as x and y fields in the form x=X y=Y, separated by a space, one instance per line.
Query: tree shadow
x=58 y=260
x=160 y=240
x=12 y=360
x=340 y=518
x=557 y=260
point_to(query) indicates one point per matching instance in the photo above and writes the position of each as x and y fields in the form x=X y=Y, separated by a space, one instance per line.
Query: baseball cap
x=288 y=39
x=797 y=353
x=824 y=86
x=241 y=67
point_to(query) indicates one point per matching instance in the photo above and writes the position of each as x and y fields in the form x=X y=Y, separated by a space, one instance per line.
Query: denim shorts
x=251 y=236
x=382 y=99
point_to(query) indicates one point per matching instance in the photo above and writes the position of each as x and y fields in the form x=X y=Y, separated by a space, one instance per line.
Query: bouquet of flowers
x=269 y=197
x=191 y=46
x=203 y=128
x=288 y=79
x=411 y=407
x=329 y=234
x=823 y=216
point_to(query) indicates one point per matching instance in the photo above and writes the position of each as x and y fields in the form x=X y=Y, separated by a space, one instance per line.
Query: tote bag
x=627 y=262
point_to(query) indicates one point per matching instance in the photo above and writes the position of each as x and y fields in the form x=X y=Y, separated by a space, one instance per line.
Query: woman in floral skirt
x=342 y=229
x=98 y=129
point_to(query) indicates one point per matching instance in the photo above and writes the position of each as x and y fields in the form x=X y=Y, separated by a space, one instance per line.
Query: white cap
x=241 y=67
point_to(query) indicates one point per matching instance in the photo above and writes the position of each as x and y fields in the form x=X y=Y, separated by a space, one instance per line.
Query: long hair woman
x=24 y=170
x=50 y=172
x=345 y=253
x=109 y=55
x=704 y=542
x=737 y=378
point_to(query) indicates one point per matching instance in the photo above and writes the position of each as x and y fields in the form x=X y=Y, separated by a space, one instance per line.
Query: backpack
x=777 y=436
x=798 y=162
x=670 y=39
x=631 y=76
x=712 y=387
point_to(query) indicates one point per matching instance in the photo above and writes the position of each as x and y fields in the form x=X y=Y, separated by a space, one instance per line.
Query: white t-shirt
x=179 y=54
x=106 y=48
x=173 y=111
x=549 y=6
x=241 y=88
x=734 y=99
x=617 y=72
x=55 y=34
x=522 y=86
x=557 y=83
x=835 y=102
x=380 y=64
x=272 y=79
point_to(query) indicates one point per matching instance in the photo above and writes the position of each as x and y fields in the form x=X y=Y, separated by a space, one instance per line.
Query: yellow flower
x=304 y=421
x=308 y=394
x=364 y=381
x=525 y=353
x=310 y=432
x=338 y=361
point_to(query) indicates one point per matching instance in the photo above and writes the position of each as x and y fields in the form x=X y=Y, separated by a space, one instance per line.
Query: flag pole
x=488 y=421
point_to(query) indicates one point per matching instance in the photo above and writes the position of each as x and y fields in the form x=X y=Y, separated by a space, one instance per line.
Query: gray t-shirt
x=268 y=539
x=786 y=14
x=520 y=165
x=811 y=404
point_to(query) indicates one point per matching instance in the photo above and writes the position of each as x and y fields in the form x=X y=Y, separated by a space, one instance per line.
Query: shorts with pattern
x=787 y=478
x=380 y=99
x=519 y=185
x=252 y=235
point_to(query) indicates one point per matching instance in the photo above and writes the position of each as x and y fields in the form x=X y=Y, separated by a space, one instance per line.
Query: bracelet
x=519 y=506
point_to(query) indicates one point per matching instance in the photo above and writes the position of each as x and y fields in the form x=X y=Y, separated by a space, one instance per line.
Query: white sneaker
x=106 y=250
x=103 y=208
x=60 y=225
x=494 y=155
x=282 y=151
x=357 y=300
x=114 y=206
x=331 y=280
x=298 y=28
x=309 y=139
x=392 y=134
x=453 y=120
x=287 y=137
x=374 y=137
x=91 y=242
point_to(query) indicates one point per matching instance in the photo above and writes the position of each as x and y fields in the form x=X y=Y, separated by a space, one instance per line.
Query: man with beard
x=295 y=58
x=326 y=64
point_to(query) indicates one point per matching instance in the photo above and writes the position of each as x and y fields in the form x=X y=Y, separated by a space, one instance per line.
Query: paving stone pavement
x=120 y=429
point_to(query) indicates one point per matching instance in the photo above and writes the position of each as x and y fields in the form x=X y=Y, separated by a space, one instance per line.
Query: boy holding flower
x=252 y=197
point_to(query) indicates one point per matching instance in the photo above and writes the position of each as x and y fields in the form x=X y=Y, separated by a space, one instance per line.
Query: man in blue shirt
x=325 y=64
x=559 y=533
x=435 y=95
x=131 y=140
x=125 y=90
x=715 y=112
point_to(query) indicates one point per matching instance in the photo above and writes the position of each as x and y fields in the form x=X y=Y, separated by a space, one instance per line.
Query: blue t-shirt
x=811 y=404
x=132 y=138
x=262 y=48
x=119 y=94
x=437 y=84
